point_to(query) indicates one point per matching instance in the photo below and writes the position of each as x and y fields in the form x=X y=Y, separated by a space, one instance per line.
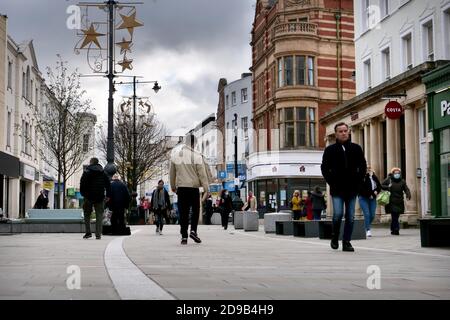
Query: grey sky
x=187 y=45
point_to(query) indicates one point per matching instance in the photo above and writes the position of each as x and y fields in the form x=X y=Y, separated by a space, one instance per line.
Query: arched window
x=28 y=84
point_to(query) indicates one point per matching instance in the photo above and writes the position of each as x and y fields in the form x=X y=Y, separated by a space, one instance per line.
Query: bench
x=305 y=229
x=434 y=232
x=251 y=221
x=284 y=228
x=271 y=218
x=239 y=219
x=326 y=227
x=54 y=216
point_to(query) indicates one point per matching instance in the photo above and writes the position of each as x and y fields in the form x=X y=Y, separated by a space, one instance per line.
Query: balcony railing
x=295 y=28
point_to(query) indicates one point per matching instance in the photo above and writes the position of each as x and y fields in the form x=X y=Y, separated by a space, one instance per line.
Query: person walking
x=208 y=209
x=296 y=205
x=42 y=200
x=226 y=206
x=343 y=167
x=94 y=186
x=318 y=203
x=251 y=203
x=188 y=172
x=396 y=206
x=120 y=199
x=160 y=205
x=368 y=198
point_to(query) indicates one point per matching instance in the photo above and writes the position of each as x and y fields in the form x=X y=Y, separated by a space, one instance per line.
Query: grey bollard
x=271 y=218
x=239 y=219
x=251 y=221
x=216 y=219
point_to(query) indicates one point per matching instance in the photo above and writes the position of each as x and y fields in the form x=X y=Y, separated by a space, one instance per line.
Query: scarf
x=160 y=201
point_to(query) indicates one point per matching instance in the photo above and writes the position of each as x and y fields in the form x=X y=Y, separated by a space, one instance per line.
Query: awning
x=9 y=165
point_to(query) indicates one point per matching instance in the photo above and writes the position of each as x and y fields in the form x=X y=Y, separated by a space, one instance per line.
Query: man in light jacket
x=188 y=172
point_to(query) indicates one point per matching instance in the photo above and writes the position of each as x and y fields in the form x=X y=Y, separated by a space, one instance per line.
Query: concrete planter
x=239 y=219
x=271 y=218
x=251 y=221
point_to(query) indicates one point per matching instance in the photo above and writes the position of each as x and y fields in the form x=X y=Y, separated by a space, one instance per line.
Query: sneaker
x=184 y=241
x=160 y=233
x=368 y=233
x=98 y=237
x=347 y=246
x=194 y=237
x=157 y=230
x=87 y=236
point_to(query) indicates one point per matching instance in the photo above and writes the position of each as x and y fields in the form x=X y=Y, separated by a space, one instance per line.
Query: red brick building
x=303 y=60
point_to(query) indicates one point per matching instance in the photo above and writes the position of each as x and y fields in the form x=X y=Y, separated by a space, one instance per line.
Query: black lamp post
x=237 y=202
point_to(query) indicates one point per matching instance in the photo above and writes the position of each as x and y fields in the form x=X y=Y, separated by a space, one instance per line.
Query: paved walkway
x=231 y=265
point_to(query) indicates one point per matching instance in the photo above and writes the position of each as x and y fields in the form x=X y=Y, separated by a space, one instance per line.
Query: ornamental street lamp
x=237 y=201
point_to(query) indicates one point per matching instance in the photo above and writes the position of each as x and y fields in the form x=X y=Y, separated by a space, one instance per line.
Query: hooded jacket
x=95 y=184
x=318 y=200
x=344 y=167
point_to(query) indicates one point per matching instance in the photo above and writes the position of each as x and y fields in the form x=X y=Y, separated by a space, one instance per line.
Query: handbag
x=383 y=198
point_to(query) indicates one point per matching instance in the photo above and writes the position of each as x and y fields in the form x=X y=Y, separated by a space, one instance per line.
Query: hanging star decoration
x=129 y=22
x=125 y=46
x=91 y=37
x=126 y=64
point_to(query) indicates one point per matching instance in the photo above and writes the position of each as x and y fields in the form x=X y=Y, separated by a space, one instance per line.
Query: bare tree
x=62 y=123
x=151 y=147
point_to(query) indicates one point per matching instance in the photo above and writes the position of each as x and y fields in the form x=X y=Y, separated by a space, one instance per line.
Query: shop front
x=438 y=91
x=9 y=170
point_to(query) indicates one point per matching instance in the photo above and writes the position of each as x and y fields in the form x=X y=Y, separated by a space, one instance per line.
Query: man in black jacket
x=93 y=186
x=120 y=199
x=344 y=168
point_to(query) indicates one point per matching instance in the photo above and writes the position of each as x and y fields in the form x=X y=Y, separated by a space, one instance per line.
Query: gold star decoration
x=125 y=46
x=126 y=64
x=91 y=36
x=129 y=22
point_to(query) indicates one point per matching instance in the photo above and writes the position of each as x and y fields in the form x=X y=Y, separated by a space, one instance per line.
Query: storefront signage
x=393 y=110
x=28 y=172
x=441 y=110
x=48 y=185
x=445 y=108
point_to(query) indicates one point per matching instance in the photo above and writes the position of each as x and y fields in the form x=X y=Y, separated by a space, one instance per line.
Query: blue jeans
x=368 y=207
x=317 y=214
x=338 y=214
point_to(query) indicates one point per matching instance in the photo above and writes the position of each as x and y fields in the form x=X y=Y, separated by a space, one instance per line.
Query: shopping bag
x=107 y=217
x=383 y=198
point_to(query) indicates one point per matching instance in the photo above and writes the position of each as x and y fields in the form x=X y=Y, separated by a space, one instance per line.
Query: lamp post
x=237 y=202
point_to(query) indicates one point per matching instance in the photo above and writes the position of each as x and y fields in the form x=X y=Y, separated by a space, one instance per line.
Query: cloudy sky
x=187 y=45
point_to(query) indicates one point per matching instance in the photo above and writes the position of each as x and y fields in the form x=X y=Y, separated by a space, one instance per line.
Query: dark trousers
x=297 y=214
x=395 y=224
x=208 y=216
x=317 y=214
x=159 y=214
x=188 y=198
x=224 y=215
x=118 y=220
x=87 y=209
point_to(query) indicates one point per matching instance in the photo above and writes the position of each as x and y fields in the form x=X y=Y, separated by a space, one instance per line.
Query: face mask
x=397 y=176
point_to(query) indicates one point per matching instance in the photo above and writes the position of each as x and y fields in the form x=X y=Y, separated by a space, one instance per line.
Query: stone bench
x=284 y=228
x=54 y=216
x=326 y=227
x=434 y=232
x=251 y=221
x=305 y=229
x=239 y=219
x=55 y=226
x=271 y=218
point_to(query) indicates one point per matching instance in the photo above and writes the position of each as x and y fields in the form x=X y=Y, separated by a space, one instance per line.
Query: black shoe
x=194 y=237
x=98 y=237
x=395 y=233
x=334 y=242
x=184 y=241
x=87 y=236
x=347 y=246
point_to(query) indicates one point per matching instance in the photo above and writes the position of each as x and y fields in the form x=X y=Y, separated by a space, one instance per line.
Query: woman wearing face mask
x=368 y=198
x=396 y=186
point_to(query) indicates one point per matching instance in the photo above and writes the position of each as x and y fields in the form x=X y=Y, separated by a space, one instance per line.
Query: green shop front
x=435 y=231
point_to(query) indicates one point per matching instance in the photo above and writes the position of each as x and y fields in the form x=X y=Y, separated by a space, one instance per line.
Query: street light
x=237 y=201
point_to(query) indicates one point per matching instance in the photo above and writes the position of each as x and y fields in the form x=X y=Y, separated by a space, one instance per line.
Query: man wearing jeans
x=94 y=186
x=189 y=172
x=344 y=168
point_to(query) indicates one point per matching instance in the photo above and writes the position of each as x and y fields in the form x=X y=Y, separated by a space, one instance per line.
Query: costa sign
x=393 y=110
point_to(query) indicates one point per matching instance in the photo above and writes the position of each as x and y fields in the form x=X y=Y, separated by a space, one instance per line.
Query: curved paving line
x=128 y=280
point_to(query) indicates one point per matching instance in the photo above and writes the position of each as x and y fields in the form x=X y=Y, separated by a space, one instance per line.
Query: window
x=298 y=127
x=9 y=75
x=244 y=95
x=25 y=140
x=36 y=96
x=24 y=84
x=386 y=61
x=8 y=130
x=365 y=15
x=288 y=67
x=233 y=98
x=85 y=143
x=228 y=131
x=446 y=33
x=31 y=90
x=245 y=127
x=384 y=8
x=428 y=45
x=367 y=74
x=27 y=84
x=296 y=70
x=407 y=51
x=227 y=101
